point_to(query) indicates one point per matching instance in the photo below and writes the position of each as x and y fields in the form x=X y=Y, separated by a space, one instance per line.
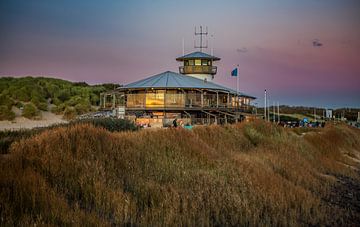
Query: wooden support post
x=217 y=99
x=101 y=100
x=104 y=101
x=144 y=102
x=114 y=101
x=228 y=101
x=202 y=99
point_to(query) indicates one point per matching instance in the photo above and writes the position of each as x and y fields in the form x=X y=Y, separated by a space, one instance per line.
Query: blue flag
x=234 y=72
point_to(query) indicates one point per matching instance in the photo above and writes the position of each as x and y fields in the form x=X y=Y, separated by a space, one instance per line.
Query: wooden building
x=189 y=95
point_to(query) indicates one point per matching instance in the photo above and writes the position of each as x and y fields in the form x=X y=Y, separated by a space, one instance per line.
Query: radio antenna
x=201 y=33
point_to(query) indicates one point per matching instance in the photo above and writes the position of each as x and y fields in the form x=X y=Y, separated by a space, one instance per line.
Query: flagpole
x=265 y=115
x=278 y=110
x=237 y=82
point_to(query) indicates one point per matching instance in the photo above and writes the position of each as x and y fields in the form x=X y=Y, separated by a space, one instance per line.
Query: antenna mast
x=201 y=33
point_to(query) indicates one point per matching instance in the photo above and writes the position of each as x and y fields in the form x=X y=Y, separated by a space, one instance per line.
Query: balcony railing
x=198 y=69
x=186 y=101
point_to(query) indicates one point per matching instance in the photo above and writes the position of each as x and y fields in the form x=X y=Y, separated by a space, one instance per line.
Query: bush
x=6 y=101
x=30 y=111
x=111 y=124
x=19 y=105
x=40 y=105
x=61 y=93
x=59 y=109
x=82 y=108
x=6 y=113
x=64 y=95
x=69 y=113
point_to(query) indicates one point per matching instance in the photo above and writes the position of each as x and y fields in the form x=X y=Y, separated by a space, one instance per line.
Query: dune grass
x=244 y=174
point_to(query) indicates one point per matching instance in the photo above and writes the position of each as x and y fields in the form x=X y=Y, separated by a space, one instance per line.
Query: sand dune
x=19 y=122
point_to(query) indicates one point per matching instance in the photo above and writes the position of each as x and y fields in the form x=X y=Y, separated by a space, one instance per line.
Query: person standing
x=175 y=123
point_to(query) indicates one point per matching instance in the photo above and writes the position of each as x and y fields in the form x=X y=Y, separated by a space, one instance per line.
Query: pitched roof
x=198 y=55
x=175 y=80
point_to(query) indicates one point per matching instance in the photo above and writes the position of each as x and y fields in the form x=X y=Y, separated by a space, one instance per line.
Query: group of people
x=177 y=123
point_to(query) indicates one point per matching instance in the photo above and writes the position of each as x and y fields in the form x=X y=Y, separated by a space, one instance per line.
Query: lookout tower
x=199 y=64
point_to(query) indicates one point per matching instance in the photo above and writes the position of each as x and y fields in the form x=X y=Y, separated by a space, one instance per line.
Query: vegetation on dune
x=31 y=111
x=244 y=174
x=8 y=137
x=6 y=113
x=110 y=124
x=40 y=91
x=5 y=108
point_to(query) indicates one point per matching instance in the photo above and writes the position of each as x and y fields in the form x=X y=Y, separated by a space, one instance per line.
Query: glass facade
x=181 y=98
x=174 y=98
x=155 y=98
x=135 y=100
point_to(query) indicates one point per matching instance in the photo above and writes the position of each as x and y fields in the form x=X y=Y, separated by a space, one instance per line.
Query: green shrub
x=21 y=94
x=111 y=124
x=30 y=111
x=82 y=108
x=56 y=101
x=64 y=95
x=59 y=109
x=69 y=113
x=6 y=100
x=40 y=105
x=6 y=113
x=19 y=105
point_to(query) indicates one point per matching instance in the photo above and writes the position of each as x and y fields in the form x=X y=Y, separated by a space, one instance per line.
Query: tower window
x=197 y=61
x=191 y=62
x=204 y=62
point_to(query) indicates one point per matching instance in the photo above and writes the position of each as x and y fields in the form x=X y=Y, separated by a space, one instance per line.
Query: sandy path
x=47 y=119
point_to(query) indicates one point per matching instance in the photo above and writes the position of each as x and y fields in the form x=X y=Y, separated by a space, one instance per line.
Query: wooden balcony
x=198 y=69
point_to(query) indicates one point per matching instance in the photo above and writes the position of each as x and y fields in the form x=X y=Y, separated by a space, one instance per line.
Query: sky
x=125 y=41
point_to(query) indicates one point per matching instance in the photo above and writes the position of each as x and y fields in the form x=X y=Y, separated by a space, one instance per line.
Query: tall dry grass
x=244 y=174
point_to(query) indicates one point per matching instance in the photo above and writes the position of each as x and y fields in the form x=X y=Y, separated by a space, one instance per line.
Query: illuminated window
x=174 y=98
x=135 y=100
x=197 y=61
x=155 y=98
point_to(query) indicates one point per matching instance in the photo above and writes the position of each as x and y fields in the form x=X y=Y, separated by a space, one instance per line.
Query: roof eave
x=191 y=58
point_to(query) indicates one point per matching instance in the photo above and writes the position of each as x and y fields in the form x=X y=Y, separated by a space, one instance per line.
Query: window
x=186 y=62
x=204 y=62
x=155 y=98
x=197 y=61
x=191 y=62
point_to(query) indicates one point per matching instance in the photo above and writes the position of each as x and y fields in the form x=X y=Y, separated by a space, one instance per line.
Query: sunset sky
x=124 y=41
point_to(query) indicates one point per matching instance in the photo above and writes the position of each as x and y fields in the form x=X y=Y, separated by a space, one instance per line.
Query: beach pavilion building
x=189 y=95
